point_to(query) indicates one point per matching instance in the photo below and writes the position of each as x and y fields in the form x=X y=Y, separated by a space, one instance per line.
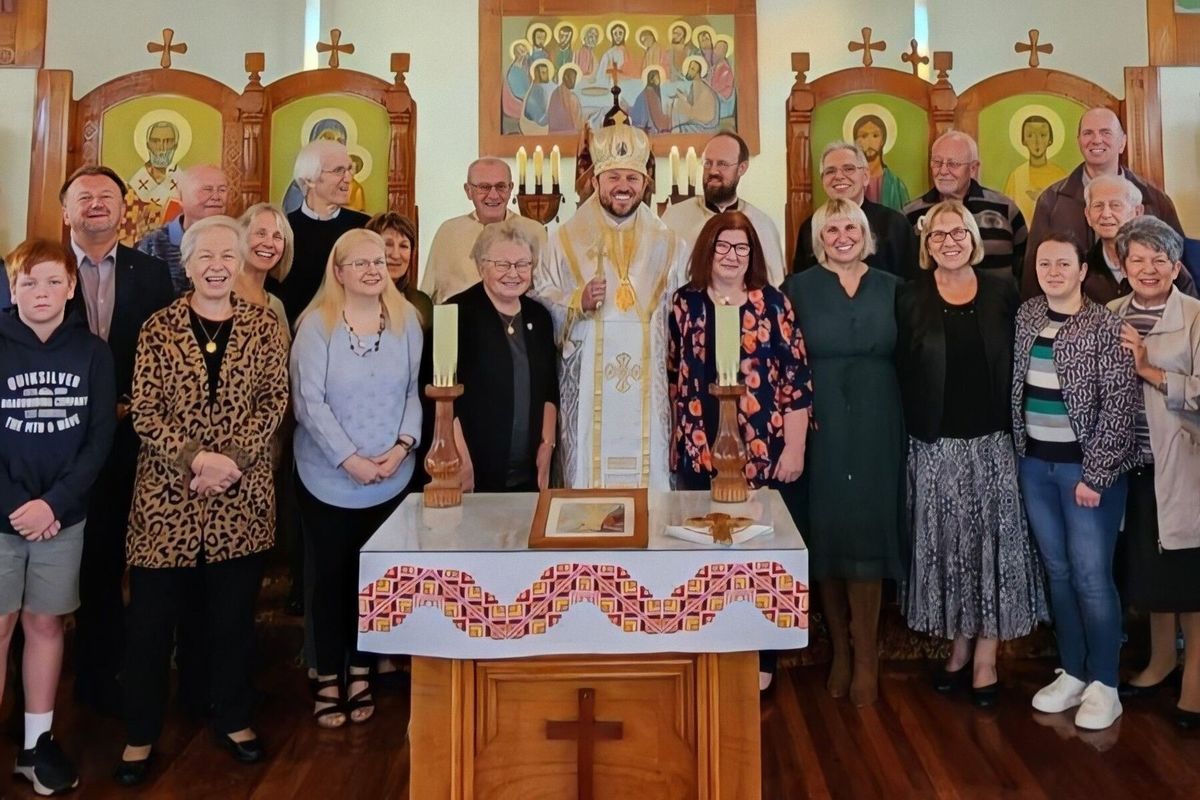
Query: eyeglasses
x=363 y=264
x=339 y=172
x=709 y=164
x=848 y=170
x=488 y=188
x=958 y=235
x=722 y=248
x=502 y=267
x=937 y=163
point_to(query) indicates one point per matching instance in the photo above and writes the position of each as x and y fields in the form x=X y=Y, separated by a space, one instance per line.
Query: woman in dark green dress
x=852 y=512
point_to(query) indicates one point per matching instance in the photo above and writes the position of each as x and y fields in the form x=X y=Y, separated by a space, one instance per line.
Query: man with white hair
x=604 y=276
x=954 y=166
x=1110 y=201
x=449 y=268
x=845 y=175
x=725 y=160
x=203 y=192
x=324 y=170
x=1060 y=208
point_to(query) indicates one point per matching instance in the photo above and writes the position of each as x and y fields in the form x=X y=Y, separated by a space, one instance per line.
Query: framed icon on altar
x=591 y=519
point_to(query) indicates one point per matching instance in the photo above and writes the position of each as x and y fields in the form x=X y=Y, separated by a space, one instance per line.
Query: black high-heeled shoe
x=986 y=696
x=133 y=773
x=944 y=681
x=250 y=751
x=1128 y=691
x=1187 y=720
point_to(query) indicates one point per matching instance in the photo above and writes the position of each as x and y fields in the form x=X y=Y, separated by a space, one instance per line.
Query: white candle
x=522 y=161
x=445 y=344
x=729 y=334
x=538 y=158
x=555 y=158
x=675 y=166
x=693 y=167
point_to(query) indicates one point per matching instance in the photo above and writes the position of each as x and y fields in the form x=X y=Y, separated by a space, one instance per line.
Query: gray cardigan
x=1173 y=345
x=347 y=404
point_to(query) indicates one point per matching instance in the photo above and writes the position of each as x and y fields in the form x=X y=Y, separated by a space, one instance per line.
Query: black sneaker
x=47 y=767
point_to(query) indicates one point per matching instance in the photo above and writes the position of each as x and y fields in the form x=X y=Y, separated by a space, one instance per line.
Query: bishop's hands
x=213 y=473
x=35 y=521
x=593 y=294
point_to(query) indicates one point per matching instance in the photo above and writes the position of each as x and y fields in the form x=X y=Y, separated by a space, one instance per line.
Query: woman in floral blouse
x=728 y=268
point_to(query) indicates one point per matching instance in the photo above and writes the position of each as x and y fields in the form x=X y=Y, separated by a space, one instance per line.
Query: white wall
x=1180 y=95
x=442 y=39
x=18 y=88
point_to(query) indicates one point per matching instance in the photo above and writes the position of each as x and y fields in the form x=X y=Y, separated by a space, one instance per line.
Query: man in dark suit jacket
x=119 y=288
x=844 y=175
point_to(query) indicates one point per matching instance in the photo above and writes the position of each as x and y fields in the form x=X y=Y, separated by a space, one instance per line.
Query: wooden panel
x=733 y=724
x=1143 y=123
x=1174 y=38
x=51 y=126
x=435 y=727
x=23 y=34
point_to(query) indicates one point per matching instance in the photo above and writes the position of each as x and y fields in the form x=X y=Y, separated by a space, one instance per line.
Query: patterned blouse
x=774 y=368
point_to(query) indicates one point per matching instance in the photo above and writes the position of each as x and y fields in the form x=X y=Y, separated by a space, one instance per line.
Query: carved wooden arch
x=86 y=128
x=1029 y=81
x=937 y=98
x=259 y=103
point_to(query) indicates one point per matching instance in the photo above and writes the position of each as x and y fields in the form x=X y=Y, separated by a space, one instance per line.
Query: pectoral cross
x=913 y=57
x=587 y=730
x=598 y=251
x=1033 y=48
x=166 y=48
x=866 y=45
x=335 y=47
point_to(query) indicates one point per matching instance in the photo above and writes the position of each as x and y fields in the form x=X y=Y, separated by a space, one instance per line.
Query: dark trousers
x=100 y=619
x=158 y=599
x=332 y=538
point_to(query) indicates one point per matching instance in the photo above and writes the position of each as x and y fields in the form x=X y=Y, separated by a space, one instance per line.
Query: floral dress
x=774 y=369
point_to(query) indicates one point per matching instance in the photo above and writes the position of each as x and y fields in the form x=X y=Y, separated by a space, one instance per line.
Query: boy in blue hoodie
x=57 y=416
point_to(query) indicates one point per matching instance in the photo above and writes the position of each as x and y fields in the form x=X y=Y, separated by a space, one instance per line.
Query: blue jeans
x=1077 y=546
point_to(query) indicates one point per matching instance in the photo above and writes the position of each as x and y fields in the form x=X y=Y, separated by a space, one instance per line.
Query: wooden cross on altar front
x=166 y=48
x=866 y=45
x=587 y=731
x=335 y=47
x=1033 y=48
x=913 y=57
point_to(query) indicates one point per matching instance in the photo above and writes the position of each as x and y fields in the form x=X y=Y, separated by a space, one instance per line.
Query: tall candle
x=555 y=158
x=675 y=165
x=693 y=168
x=522 y=161
x=729 y=333
x=538 y=158
x=445 y=344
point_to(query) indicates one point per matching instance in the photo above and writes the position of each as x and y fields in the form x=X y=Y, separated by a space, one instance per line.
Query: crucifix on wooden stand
x=586 y=730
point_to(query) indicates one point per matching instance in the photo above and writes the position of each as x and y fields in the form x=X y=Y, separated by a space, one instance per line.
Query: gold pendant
x=211 y=347
x=510 y=330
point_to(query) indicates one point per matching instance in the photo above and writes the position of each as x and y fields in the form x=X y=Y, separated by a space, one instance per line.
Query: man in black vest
x=119 y=288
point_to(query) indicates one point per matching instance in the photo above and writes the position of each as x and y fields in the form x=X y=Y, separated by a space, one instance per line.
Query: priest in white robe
x=606 y=276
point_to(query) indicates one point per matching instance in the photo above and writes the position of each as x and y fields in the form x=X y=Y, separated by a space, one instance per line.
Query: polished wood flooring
x=913 y=743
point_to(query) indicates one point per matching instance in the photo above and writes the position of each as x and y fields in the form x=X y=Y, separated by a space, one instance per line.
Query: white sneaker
x=1100 y=709
x=1065 y=692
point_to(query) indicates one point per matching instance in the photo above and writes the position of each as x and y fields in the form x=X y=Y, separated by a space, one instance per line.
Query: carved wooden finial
x=334 y=48
x=801 y=63
x=943 y=62
x=255 y=63
x=866 y=46
x=1033 y=48
x=166 y=48
x=913 y=57
x=400 y=63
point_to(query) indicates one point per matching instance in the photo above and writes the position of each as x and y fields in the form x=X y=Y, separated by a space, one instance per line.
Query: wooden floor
x=912 y=744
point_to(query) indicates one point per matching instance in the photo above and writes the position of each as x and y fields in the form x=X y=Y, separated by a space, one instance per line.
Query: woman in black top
x=505 y=420
x=975 y=574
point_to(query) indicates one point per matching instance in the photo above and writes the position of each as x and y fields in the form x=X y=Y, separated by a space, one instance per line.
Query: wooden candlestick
x=729 y=451
x=541 y=206
x=443 y=463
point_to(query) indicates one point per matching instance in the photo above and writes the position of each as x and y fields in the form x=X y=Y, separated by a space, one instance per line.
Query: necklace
x=725 y=299
x=211 y=346
x=509 y=322
x=357 y=345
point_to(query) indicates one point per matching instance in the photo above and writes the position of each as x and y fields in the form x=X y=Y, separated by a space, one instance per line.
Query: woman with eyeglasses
x=975 y=576
x=506 y=417
x=852 y=499
x=358 y=419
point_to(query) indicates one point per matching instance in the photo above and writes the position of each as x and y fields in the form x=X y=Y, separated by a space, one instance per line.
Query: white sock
x=35 y=726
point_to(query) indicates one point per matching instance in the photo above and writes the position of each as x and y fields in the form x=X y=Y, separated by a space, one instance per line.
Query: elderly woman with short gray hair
x=1162 y=533
x=507 y=415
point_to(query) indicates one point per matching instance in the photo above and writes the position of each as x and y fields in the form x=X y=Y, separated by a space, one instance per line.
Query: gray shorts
x=42 y=577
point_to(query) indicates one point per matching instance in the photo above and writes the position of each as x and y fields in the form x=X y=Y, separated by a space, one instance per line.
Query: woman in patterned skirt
x=975 y=574
x=1162 y=516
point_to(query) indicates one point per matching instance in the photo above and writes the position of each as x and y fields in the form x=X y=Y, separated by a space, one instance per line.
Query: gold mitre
x=620 y=147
